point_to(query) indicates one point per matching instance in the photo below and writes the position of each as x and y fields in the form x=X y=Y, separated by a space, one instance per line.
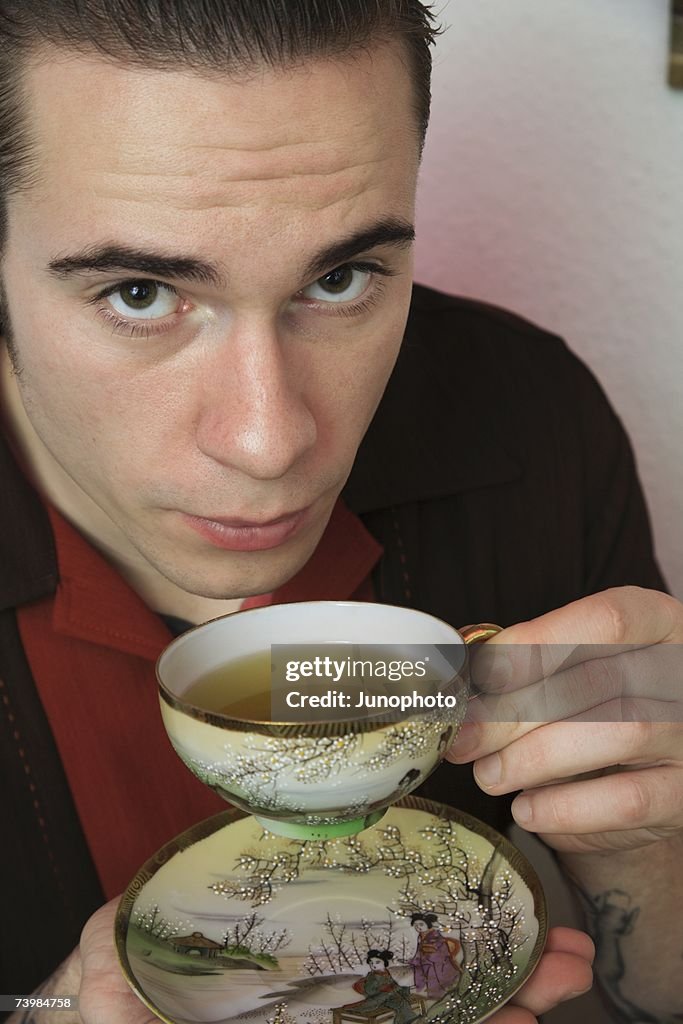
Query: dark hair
x=215 y=35
x=429 y=919
x=384 y=955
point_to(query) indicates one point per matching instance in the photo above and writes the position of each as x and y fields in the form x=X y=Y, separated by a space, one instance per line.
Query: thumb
x=105 y=996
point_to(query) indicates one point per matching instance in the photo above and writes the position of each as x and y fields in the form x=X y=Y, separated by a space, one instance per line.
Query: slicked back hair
x=233 y=36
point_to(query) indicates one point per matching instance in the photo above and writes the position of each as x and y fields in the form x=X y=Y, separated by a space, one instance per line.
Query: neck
x=58 y=488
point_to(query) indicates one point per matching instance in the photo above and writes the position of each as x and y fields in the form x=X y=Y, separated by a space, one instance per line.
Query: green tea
x=240 y=688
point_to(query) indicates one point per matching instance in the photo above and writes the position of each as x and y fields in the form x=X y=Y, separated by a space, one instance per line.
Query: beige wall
x=552 y=185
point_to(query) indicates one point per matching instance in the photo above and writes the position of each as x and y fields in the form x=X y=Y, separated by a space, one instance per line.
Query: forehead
x=162 y=149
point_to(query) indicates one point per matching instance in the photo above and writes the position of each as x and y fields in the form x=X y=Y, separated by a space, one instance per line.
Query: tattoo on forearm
x=610 y=916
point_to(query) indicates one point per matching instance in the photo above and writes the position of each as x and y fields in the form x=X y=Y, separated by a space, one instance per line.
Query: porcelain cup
x=314 y=774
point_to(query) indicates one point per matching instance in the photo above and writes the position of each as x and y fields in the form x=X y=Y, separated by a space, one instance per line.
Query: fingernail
x=575 y=995
x=465 y=743
x=489 y=770
x=522 y=810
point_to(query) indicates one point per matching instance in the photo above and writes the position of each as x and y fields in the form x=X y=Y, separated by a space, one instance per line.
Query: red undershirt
x=92 y=649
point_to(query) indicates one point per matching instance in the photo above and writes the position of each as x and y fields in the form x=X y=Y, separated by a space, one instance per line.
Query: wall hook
x=676 y=45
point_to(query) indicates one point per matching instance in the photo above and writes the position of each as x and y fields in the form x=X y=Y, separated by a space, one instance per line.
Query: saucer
x=428 y=915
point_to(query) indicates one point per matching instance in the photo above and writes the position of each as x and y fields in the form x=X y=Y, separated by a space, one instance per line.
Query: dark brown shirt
x=500 y=484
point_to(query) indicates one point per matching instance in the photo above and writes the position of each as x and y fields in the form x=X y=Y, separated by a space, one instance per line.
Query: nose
x=254 y=415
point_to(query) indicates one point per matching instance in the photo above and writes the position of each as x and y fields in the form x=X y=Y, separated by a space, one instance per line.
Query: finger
x=565 y=749
x=511 y=1014
x=570 y=940
x=619 y=669
x=642 y=685
x=595 y=626
x=96 y=937
x=621 y=615
x=105 y=997
x=558 y=977
x=647 y=799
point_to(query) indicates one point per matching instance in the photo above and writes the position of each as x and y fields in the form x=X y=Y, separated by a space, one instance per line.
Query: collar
x=93 y=602
x=27 y=550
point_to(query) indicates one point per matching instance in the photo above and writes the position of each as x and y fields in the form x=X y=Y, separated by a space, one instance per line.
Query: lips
x=250 y=524
x=235 y=534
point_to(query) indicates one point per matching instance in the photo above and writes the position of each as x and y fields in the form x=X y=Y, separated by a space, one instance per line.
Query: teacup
x=314 y=774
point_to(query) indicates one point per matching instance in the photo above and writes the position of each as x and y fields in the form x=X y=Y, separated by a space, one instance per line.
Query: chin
x=245 y=575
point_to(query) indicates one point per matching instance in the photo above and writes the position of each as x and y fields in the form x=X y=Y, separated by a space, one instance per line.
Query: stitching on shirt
x=77 y=621
x=407 y=585
x=35 y=802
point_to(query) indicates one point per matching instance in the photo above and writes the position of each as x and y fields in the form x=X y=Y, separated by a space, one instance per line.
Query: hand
x=603 y=768
x=105 y=997
x=563 y=973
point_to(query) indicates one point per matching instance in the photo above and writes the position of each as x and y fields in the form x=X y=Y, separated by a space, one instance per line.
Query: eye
x=144 y=300
x=343 y=284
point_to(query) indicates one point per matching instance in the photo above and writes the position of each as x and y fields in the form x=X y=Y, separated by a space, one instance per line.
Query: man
x=206 y=275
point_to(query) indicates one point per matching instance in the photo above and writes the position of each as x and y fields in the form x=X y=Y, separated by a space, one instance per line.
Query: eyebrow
x=113 y=257
x=106 y=258
x=392 y=231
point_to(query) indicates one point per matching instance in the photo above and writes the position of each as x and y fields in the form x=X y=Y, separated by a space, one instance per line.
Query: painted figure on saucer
x=437 y=960
x=382 y=991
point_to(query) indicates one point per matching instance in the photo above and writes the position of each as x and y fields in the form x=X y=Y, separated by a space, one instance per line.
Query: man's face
x=200 y=350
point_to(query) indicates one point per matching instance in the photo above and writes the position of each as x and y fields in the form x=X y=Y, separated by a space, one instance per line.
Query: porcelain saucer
x=428 y=915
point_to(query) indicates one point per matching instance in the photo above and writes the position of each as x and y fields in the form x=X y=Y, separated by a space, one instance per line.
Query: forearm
x=65 y=981
x=633 y=901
